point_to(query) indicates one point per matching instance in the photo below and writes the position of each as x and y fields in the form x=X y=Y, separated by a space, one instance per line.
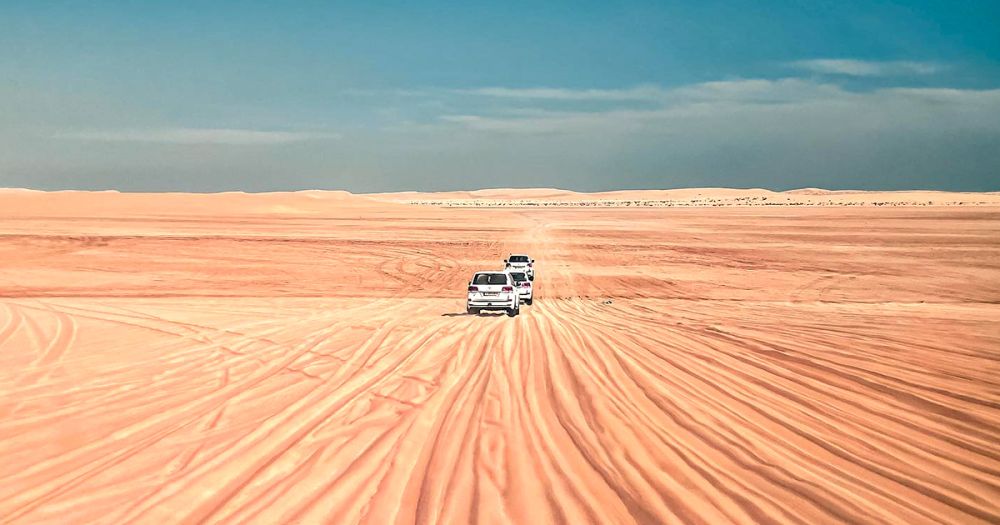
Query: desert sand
x=306 y=358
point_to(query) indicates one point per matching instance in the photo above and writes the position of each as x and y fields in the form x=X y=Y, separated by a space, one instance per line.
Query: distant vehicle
x=523 y=286
x=519 y=262
x=493 y=291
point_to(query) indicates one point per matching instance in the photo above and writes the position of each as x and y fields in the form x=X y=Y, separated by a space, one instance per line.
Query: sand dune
x=306 y=358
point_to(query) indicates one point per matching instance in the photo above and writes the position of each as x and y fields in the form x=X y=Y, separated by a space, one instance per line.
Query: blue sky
x=257 y=96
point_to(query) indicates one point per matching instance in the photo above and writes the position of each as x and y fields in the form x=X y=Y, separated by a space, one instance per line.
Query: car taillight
x=507 y=289
x=526 y=284
x=473 y=289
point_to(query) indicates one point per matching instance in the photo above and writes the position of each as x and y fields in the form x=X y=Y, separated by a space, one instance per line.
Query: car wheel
x=472 y=311
x=527 y=302
x=511 y=312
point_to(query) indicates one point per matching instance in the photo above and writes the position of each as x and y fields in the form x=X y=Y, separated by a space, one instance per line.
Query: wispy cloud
x=637 y=93
x=763 y=90
x=867 y=68
x=723 y=103
x=549 y=122
x=196 y=136
x=693 y=100
x=782 y=90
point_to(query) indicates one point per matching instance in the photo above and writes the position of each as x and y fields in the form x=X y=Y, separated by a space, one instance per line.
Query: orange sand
x=305 y=357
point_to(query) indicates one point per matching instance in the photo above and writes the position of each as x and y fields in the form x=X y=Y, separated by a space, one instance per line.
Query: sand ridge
x=690 y=197
x=298 y=358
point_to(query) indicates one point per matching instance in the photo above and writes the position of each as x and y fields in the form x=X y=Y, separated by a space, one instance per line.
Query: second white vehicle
x=523 y=286
x=493 y=291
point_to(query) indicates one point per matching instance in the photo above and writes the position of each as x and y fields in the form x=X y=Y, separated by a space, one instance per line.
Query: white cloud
x=762 y=90
x=782 y=90
x=693 y=100
x=196 y=136
x=638 y=93
x=547 y=122
x=793 y=101
x=867 y=68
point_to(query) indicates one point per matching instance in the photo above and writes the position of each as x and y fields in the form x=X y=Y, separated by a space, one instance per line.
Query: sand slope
x=313 y=363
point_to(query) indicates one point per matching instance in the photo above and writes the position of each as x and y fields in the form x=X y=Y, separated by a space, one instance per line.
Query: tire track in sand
x=634 y=407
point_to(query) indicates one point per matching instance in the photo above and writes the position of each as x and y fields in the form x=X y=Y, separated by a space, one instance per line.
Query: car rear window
x=518 y=276
x=490 y=278
x=518 y=258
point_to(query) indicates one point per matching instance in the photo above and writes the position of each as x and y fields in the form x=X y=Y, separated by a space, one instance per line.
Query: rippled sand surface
x=306 y=358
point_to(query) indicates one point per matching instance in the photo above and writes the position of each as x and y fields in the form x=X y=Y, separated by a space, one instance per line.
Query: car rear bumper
x=491 y=307
x=492 y=303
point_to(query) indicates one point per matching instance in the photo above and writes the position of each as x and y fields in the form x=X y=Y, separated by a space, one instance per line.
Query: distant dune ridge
x=68 y=203
x=502 y=197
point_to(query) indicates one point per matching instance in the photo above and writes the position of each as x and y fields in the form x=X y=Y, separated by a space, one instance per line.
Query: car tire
x=511 y=312
x=472 y=311
x=527 y=302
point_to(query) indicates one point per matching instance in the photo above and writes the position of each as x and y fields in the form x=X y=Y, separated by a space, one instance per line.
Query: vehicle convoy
x=523 y=286
x=493 y=291
x=519 y=262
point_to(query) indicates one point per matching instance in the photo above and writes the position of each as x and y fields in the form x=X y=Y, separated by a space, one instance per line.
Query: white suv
x=519 y=262
x=493 y=291
x=523 y=287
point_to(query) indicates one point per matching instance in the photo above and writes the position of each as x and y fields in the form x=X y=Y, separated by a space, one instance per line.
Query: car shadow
x=480 y=314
